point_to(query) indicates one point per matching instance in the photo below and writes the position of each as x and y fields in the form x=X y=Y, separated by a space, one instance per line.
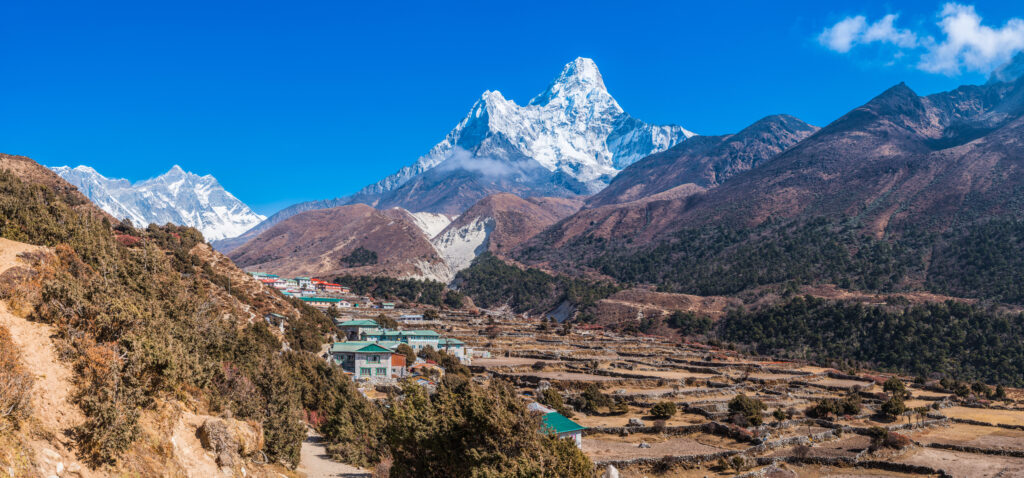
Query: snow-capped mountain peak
x=579 y=82
x=575 y=129
x=177 y=197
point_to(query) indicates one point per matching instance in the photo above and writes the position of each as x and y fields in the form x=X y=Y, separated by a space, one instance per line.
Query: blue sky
x=309 y=100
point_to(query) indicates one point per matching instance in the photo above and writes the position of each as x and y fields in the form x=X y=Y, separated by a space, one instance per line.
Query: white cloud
x=842 y=36
x=971 y=45
x=963 y=41
x=459 y=158
x=852 y=31
x=884 y=31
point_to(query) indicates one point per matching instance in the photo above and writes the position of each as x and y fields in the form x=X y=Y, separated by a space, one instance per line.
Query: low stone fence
x=668 y=459
x=847 y=462
x=968 y=421
x=978 y=450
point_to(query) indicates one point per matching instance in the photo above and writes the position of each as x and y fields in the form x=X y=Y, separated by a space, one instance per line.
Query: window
x=364 y=371
x=373 y=359
x=382 y=371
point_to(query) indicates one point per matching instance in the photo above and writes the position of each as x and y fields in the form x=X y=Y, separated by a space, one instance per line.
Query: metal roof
x=363 y=347
x=558 y=423
x=357 y=323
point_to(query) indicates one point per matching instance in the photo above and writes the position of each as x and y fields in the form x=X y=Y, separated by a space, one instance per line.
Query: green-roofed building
x=358 y=329
x=364 y=360
x=321 y=302
x=562 y=427
x=454 y=347
x=417 y=339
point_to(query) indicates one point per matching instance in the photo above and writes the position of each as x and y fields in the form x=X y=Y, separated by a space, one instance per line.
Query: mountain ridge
x=567 y=141
x=177 y=197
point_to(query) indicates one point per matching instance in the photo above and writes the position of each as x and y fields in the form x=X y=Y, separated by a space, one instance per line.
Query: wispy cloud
x=964 y=42
x=459 y=158
x=852 y=31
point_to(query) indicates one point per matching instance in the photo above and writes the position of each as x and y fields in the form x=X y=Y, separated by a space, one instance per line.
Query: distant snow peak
x=177 y=196
x=575 y=127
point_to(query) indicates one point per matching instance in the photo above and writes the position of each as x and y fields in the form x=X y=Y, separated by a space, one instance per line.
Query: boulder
x=216 y=437
x=635 y=422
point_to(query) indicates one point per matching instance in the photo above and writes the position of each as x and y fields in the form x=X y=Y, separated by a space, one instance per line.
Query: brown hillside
x=316 y=242
x=515 y=219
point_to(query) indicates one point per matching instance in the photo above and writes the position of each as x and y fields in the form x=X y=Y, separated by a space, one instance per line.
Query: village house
x=417 y=339
x=328 y=287
x=558 y=424
x=322 y=303
x=364 y=360
x=263 y=275
x=304 y=282
x=387 y=305
x=398 y=365
x=454 y=347
x=358 y=329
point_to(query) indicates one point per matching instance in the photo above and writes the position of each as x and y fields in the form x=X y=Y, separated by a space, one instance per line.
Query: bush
x=749 y=408
x=893 y=407
x=410 y=354
x=834 y=407
x=471 y=430
x=880 y=437
x=553 y=399
x=591 y=400
x=896 y=388
x=689 y=323
x=663 y=410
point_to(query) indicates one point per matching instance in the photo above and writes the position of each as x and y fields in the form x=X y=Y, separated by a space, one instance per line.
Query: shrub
x=471 y=430
x=833 y=407
x=663 y=410
x=553 y=399
x=896 y=388
x=893 y=407
x=410 y=354
x=749 y=408
x=880 y=437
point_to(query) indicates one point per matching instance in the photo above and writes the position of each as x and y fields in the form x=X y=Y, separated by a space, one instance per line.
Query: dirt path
x=53 y=415
x=315 y=463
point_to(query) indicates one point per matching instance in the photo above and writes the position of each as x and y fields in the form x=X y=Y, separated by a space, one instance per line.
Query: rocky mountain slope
x=902 y=193
x=498 y=223
x=176 y=197
x=322 y=242
x=704 y=161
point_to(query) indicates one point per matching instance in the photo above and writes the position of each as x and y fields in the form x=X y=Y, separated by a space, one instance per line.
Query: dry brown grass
x=15 y=384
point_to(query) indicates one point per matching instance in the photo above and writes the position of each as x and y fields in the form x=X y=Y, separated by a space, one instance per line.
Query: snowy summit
x=574 y=127
x=177 y=197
